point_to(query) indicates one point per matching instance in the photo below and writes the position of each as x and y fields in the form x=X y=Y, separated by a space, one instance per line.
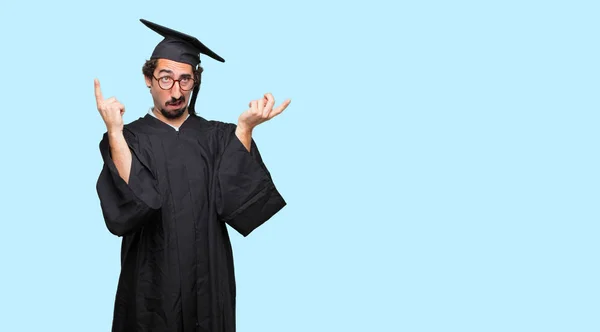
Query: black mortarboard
x=180 y=47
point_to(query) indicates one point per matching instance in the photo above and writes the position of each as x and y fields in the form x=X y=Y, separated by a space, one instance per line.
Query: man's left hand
x=260 y=111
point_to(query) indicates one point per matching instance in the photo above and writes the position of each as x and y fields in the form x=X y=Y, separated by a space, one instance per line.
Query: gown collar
x=151 y=113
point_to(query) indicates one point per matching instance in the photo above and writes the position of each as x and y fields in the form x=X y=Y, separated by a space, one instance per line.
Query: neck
x=173 y=122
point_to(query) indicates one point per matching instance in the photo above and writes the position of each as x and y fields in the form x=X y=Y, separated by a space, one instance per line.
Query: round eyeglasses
x=167 y=82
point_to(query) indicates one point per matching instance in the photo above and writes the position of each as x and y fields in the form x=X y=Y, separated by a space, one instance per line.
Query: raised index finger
x=97 y=91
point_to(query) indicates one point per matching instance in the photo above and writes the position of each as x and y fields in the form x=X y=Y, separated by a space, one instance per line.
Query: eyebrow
x=171 y=72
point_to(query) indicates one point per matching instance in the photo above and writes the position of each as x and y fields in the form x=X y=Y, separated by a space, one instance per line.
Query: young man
x=171 y=182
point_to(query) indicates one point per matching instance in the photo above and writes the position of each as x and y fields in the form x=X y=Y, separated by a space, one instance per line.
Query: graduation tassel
x=192 y=106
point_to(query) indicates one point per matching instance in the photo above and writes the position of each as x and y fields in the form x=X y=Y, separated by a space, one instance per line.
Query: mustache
x=175 y=101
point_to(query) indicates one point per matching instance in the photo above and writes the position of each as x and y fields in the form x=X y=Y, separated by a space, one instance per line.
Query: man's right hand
x=112 y=114
x=110 y=109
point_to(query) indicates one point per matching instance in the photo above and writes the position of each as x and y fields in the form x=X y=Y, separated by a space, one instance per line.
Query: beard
x=176 y=113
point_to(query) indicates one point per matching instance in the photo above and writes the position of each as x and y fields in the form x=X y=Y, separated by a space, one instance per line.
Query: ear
x=148 y=81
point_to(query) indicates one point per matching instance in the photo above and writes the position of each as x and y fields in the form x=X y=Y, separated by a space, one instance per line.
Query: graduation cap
x=180 y=47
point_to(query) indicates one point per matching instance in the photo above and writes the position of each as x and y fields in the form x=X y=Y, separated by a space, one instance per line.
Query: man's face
x=172 y=103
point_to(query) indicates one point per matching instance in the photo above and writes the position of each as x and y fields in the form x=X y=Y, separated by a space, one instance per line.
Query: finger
x=254 y=106
x=269 y=102
x=280 y=108
x=98 y=92
x=119 y=106
x=260 y=107
x=113 y=107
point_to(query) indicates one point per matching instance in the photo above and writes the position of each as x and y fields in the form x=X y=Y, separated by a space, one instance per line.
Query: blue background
x=439 y=159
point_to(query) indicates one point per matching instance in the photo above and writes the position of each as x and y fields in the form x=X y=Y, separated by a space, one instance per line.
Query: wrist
x=115 y=132
x=244 y=129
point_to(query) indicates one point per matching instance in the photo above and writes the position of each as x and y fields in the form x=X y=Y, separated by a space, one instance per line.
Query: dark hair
x=150 y=66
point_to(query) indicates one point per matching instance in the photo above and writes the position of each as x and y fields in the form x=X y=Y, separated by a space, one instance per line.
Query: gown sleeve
x=127 y=206
x=247 y=196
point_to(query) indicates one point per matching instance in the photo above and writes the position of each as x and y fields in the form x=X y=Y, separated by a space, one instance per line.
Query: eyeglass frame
x=174 y=80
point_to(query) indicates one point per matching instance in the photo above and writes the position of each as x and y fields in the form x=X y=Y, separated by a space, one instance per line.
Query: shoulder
x=210 y=127
x=213 y=134
x=136 y=127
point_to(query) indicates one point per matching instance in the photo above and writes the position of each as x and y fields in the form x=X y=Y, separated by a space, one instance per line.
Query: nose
x=176 y=90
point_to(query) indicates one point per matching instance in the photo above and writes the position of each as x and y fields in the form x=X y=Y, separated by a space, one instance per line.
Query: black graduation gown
x=177 y=270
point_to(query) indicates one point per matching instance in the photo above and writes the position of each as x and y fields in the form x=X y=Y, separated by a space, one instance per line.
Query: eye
x=165 y=79
x=186 y=80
